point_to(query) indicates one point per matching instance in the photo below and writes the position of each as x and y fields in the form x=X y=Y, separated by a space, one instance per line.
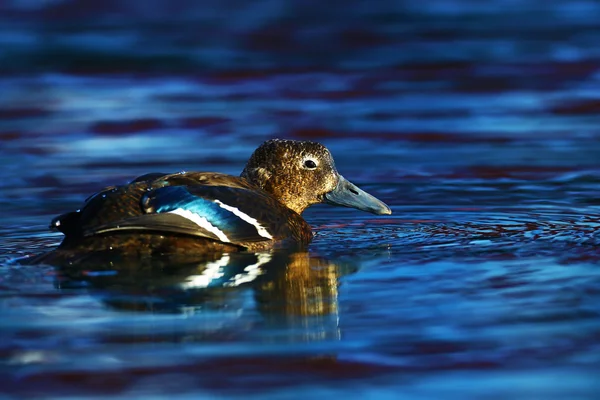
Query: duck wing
x=225 y=214
x=216 y=206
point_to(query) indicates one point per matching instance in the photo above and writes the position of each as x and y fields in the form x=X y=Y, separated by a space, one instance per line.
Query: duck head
x=302 y=173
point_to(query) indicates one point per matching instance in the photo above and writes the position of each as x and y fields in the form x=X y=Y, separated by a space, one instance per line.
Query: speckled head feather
x=296 y=173
x=299 y=174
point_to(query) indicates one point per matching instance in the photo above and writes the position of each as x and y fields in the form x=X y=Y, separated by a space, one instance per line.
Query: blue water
x=477 y=123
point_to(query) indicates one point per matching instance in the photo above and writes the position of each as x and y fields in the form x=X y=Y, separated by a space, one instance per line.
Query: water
x=478 y=125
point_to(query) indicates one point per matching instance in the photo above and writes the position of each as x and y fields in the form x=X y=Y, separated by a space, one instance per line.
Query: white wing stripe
x=259 y=228
x=201 y=222
x=251 y=272
x=213 y=271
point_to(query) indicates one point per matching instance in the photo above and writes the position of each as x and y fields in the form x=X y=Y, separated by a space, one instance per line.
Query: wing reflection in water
x=295 y=293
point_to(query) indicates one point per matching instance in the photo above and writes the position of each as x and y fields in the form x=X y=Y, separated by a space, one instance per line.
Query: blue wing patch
x=222 y=221
x=175 y=209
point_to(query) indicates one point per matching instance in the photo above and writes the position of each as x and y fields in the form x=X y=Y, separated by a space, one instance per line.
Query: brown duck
x=202 y=212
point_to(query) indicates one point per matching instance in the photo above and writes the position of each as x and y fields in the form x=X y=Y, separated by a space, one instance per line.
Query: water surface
x=481 y=134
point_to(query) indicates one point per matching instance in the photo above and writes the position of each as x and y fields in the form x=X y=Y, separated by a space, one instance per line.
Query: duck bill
x=347 y=194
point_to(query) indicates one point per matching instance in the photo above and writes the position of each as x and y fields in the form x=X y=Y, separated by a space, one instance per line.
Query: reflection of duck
x=212 y=213
x=307 y=286
x=290 y=288
x=303 y=296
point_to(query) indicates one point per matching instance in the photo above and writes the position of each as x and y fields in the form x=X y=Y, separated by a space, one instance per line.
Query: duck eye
x=310 y=164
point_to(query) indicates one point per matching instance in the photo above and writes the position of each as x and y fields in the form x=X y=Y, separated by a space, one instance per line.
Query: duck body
x=188 y=209
x=208 y=212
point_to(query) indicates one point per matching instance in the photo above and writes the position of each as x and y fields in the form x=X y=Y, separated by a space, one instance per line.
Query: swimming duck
x=208 y=211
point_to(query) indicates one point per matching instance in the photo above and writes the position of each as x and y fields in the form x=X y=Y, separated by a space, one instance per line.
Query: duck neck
x=263 y=179
x=291 y=202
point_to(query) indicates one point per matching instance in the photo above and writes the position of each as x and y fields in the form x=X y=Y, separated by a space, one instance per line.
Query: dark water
x=478 y=124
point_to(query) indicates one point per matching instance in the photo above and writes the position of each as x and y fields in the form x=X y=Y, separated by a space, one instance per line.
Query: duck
x=204 y=212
